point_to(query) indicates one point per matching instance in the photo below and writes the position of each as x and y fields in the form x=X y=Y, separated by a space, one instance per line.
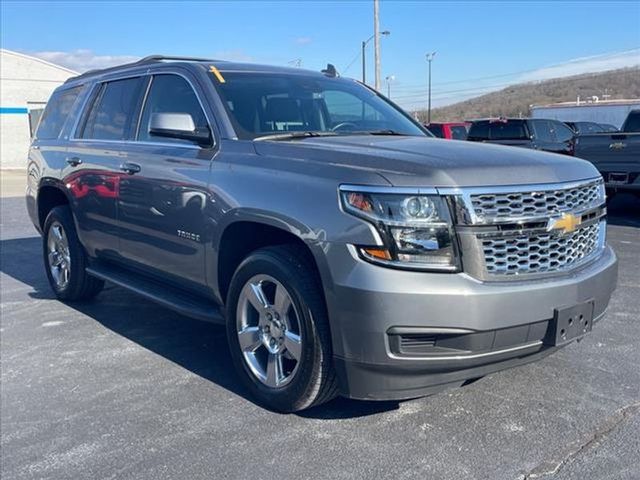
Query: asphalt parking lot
x=122 y=388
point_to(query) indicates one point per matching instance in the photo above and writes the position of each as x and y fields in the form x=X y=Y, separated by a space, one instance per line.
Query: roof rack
x=142 y=61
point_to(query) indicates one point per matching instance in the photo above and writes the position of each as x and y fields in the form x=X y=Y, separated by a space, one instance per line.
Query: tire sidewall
x=288 y=397
x=63 y=216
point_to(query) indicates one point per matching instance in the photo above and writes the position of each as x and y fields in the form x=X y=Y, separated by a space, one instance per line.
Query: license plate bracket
x=618 y=178
x=570 y=323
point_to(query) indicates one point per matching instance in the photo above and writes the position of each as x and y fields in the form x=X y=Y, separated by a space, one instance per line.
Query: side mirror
x=178 y=125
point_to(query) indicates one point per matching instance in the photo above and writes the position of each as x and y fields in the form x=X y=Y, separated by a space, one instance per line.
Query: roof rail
x=142 y=61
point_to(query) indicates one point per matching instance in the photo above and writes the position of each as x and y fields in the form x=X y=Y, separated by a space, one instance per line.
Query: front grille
x=540 y=252
x=489 y=207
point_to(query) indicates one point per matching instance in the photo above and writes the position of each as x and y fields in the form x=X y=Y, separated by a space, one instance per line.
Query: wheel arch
x=241 y=237
x=51 y=194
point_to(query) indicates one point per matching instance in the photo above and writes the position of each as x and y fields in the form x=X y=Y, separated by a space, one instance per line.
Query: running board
x=182 y=302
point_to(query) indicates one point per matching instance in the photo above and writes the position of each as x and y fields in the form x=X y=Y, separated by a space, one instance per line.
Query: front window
x=262 y=104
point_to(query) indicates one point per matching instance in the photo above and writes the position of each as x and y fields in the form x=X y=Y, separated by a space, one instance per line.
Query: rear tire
x=65 y=259
x=276 y=306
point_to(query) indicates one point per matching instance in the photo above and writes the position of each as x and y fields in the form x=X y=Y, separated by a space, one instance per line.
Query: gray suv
x=346 y=250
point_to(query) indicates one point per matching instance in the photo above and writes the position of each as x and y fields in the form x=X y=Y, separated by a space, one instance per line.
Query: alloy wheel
x=268 y=328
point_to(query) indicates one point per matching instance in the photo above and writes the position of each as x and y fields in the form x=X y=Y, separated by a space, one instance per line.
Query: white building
x=613 y=112
x=26 y=83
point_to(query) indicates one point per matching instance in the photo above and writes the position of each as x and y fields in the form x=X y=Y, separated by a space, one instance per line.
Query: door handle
x=73 y=161
x=130 y=168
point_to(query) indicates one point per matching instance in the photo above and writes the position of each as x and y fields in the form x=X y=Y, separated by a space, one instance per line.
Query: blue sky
x=509 y=41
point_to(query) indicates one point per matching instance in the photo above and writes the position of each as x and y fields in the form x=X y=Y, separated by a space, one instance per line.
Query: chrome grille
x=491 y=207
x=540 y=252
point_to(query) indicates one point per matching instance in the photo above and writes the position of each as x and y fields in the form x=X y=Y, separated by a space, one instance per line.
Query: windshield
x=262 y=104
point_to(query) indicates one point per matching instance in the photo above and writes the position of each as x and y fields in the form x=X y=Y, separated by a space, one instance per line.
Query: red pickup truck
x=450 y=130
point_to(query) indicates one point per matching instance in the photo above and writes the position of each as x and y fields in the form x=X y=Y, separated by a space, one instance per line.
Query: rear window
x=56 y=113
x=112 y=114
x=633 y=122
x=498 y=130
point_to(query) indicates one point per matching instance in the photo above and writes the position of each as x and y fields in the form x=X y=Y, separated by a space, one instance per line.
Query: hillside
x=515 y=100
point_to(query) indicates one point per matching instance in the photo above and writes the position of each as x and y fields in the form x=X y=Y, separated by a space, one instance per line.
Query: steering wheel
x=340 y=126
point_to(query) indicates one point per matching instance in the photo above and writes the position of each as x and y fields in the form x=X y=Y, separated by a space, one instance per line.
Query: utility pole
x=430 y=59
x=376 y=40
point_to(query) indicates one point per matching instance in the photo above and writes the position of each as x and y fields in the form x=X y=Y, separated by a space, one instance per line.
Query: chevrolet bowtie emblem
x=567 y=223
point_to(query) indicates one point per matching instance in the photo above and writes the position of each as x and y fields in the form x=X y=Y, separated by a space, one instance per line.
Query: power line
x=346 y=69
x=462 y=90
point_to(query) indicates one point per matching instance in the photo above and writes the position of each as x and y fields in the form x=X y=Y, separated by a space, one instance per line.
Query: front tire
x=278 y=330
x=65 y=260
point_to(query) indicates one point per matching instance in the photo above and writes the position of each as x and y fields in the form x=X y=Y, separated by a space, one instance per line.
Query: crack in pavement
x=612 y=422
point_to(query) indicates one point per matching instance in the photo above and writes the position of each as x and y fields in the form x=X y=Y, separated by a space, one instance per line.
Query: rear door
x=163 y=199
x=48 y=150
x=92 y=169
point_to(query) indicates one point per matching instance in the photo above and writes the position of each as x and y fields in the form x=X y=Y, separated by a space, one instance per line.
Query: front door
x=163 y=196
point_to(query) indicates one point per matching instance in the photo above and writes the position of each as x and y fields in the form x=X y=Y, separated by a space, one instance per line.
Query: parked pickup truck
x=615 y=155
x=345 y=250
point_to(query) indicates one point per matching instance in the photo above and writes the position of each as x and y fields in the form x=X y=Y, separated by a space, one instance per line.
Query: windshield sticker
x=217 y=73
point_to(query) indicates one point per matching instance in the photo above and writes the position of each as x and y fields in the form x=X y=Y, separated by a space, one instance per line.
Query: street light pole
x=389 y=79
x=364 y=57
x=430 y=59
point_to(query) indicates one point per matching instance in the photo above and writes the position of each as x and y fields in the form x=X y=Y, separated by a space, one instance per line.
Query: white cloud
x=303 y=40
x=82 y=60
x=577 y=66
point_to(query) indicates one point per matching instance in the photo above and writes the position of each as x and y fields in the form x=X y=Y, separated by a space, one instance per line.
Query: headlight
x=416 y=229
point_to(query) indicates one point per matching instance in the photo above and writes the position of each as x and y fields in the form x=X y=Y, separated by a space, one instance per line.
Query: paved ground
x=122 y=388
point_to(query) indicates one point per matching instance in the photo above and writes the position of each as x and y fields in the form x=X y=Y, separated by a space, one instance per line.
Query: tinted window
x=498 y=130
x=113 y=112
x=458 y=132
x=562 y=132
x=479 y=131
x=542 y=130
x=632 y=124
x=271 y=103
x=170 y=94
x=586 y=128
x=56 y=113
x=436 y=130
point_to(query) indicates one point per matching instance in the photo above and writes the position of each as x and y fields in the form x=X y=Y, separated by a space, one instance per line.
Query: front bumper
x=487 y=326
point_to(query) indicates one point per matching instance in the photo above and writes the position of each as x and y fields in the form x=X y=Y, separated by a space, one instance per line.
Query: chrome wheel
x=268 y=328
x=58 y=255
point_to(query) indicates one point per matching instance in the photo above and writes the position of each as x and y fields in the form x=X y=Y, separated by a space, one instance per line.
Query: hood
x=420 y=161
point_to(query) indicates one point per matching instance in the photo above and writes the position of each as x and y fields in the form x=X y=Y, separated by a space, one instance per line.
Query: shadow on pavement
x=624 y=209
x=197 y=346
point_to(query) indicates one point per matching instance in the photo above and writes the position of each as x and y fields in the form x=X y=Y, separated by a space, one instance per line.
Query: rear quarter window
x=56 y=113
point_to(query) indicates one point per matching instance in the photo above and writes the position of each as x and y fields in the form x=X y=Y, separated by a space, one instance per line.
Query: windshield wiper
x=386 y=132
x=295 y=135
